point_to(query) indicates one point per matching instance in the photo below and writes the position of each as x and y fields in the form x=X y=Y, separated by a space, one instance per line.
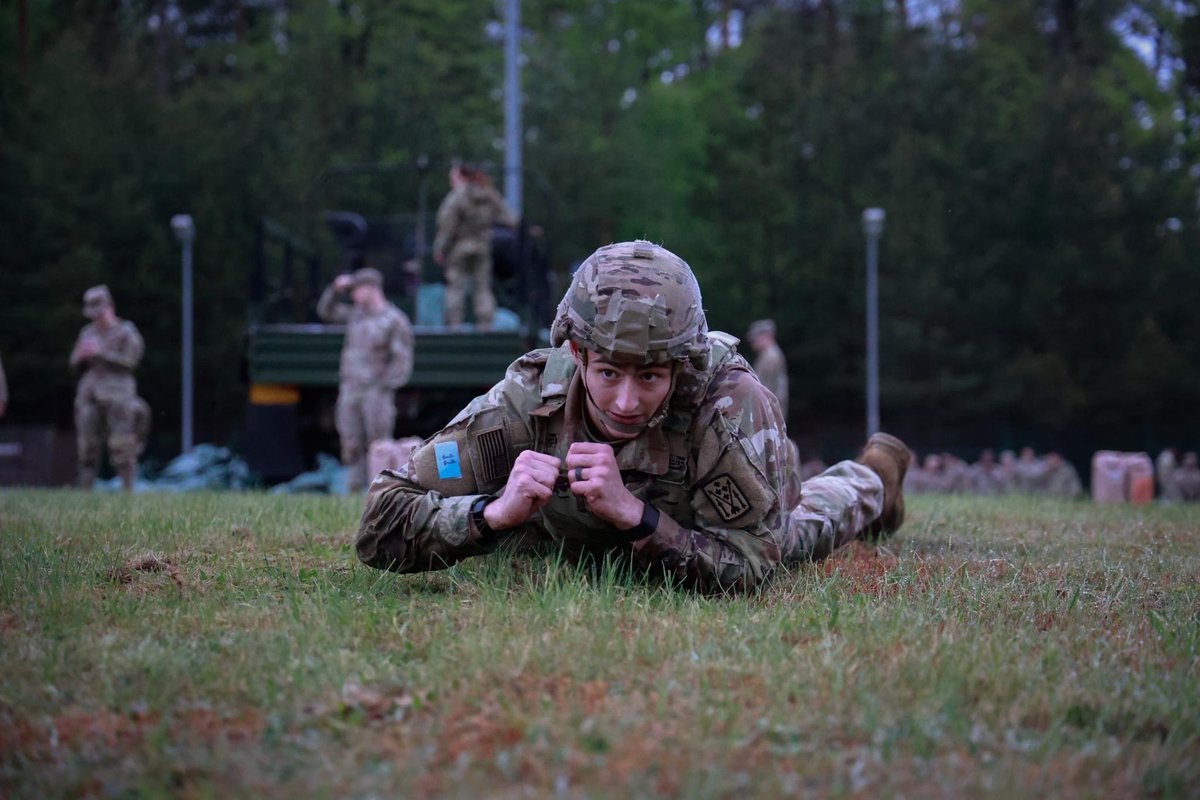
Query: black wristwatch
x=487 y=534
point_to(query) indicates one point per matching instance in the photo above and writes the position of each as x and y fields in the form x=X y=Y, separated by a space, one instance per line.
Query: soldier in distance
x=770 y=364
x=377 y=359
x=105 y=355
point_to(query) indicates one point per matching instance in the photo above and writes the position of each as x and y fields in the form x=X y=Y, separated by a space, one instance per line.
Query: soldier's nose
x=626 y=401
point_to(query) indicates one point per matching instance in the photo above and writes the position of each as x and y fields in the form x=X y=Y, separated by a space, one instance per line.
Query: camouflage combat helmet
x=368 y=276
x=635 y=299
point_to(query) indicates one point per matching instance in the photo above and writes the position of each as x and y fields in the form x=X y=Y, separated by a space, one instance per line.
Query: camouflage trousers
x=474 y=268
x=125 y=420
x=363 y=415
x=835 y=508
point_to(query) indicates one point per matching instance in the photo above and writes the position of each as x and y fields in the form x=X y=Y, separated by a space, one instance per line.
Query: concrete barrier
x=36 y=455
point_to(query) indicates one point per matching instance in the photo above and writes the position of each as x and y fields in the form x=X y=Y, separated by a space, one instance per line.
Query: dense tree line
x=1037 y=160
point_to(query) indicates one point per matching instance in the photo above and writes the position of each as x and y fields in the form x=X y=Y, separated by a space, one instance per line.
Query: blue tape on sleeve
x=448 y=465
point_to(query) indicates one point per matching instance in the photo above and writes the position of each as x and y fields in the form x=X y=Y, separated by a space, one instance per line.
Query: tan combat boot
x=887 y=457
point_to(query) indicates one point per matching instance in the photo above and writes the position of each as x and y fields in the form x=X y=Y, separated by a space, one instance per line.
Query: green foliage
x=1038 y=264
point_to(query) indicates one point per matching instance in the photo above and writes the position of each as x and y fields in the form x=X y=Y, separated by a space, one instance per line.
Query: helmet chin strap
x=615 y=425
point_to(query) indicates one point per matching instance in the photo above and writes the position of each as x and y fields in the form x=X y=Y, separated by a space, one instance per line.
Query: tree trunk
x=162 y=70
x=23 y=36
x=1066 y=15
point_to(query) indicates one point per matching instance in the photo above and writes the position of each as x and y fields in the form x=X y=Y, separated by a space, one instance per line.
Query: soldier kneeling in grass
x=639 y=433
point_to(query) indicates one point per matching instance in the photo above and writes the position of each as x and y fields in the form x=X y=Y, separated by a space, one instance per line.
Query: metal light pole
x=873 y=226
x=513 y=167
x=185 y=231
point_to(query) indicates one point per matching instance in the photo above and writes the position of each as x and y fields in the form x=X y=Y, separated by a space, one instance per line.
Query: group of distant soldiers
x=377 y=359
x=377 y=356
x=1178 y=477
x=1027 y=473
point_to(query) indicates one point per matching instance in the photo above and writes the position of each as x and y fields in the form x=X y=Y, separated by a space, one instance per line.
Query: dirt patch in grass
x=370 y=705
x=145 y=564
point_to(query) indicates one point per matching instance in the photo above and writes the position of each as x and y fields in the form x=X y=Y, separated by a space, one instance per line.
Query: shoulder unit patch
x=726 y=497
x=448 y=466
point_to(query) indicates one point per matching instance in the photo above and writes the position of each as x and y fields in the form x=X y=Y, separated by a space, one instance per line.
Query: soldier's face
x=363 y=294
x=99 y=312
x=629 y=394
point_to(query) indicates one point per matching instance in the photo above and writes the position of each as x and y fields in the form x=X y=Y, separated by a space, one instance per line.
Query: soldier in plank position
x=640 y=432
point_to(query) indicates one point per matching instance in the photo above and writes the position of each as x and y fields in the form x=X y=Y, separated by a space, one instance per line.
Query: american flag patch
x=492 y=447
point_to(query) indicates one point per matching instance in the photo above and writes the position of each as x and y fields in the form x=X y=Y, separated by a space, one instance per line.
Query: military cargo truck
x=291 y=358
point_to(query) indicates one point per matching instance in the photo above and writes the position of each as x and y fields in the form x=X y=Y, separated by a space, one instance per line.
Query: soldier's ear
x=575 y=354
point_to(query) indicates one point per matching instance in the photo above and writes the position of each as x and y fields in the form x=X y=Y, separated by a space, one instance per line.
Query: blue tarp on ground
x=328 y=478
x=206 y=468
x=210 y=468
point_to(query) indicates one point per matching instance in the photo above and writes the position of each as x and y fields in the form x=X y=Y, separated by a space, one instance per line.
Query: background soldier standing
x=1164 y=472
x=377 y=359
x=107 y=352
x=463 y=244
x=770 y=363
x=1185 y=480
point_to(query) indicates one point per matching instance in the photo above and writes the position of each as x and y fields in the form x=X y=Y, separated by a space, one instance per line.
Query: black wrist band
x=487 y=534
x=644 y=528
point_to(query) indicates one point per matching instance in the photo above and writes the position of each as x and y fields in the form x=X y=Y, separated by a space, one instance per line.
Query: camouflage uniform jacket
x=716 y=468
x=109 y=374
x=465 y=219
x=378 y=347
x=772 y=371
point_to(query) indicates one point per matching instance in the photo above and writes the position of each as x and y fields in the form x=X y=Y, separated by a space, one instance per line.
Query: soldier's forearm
x=405 y=529
x=329 y=308
x=397 y=374
x=697 y=559
x=116 y=358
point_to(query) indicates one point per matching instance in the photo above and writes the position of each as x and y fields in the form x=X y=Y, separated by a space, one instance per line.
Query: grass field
x=231 y=646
